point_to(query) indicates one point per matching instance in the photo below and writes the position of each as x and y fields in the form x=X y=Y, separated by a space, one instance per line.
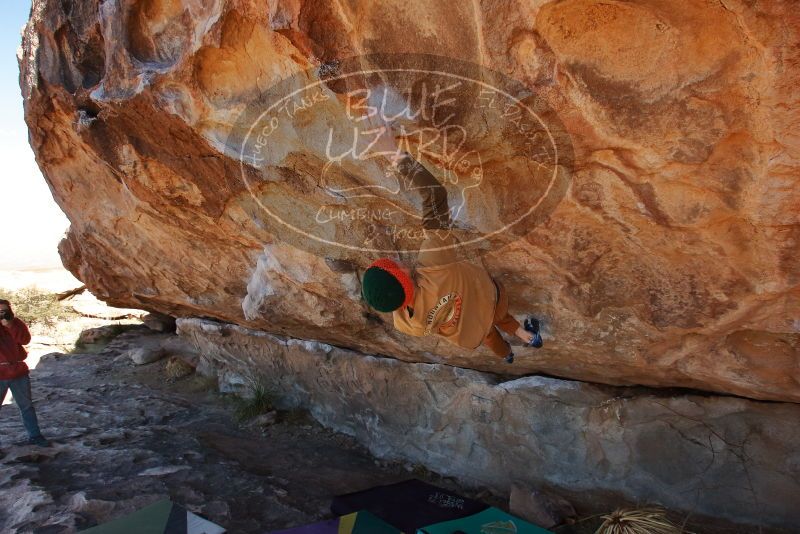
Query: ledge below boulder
x=719 y=456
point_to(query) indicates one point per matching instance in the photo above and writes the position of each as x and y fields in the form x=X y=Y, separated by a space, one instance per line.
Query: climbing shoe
x=509 y=358
x=532 y=326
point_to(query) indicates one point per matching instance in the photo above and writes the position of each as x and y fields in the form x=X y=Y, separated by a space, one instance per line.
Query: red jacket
x=12 y=354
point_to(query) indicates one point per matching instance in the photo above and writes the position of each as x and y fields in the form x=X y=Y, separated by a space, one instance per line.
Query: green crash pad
x=163 y=517
x=490 y=521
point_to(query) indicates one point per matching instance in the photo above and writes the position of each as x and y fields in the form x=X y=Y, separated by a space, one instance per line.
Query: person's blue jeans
x=21 y=391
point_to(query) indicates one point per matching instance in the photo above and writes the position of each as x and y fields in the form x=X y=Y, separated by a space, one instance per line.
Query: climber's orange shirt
x=454 y=298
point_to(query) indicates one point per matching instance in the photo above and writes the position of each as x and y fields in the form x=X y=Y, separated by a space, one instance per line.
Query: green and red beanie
x=386 y=287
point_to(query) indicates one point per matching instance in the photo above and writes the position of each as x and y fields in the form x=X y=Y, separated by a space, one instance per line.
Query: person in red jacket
x=14 y=372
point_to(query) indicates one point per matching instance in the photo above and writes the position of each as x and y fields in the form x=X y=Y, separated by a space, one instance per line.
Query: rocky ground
x=125 y=436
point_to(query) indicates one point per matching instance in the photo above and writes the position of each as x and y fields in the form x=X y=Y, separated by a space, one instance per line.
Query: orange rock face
x=662 y=252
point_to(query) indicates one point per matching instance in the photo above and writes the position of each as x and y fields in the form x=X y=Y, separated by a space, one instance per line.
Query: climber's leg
x=504 y=322
x=502 y=319
x=496 y=343
x=508 y=324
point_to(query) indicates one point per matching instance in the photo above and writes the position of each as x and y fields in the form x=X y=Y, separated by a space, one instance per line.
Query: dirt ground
x=125 y=436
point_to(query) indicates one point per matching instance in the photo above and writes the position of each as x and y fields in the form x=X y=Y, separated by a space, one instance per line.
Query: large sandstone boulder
x=664 y=251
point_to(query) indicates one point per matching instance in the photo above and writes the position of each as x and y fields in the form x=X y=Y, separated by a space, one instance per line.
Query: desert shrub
x=36 y=306
x=176 y=368
x=259 y=402
x=641 y=521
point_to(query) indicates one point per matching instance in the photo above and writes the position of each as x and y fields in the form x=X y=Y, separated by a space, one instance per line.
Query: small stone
x=265 y=419
x=163 y=470
x=542 y=509
x=159 y=322
x=100 y=334
x=216 y=509
x=145 y=355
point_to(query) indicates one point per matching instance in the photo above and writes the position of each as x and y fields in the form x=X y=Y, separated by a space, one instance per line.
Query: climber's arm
x=406 y=322
x=435 y=212
x=439 y=246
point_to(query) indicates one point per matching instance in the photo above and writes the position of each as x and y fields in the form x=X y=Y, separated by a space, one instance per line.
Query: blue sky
x=32 y=222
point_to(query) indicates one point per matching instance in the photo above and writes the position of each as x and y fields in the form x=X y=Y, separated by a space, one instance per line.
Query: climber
x=444 y=295
x=14 y=372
